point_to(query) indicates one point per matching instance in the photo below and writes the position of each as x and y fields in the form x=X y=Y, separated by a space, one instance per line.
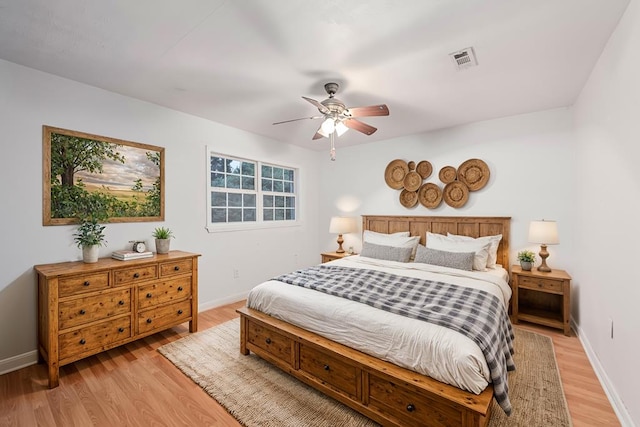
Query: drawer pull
x=180 y=312
x=120 y=330
x=411 y=407
x=83 y=311
x=268 y=340
x=86 y=283
x=149 y=295
x=83 y=341
x=136 y=275
x=327 y=367
x=179 y=288
x=121 y=302
x=176 y=268
x=149 y=320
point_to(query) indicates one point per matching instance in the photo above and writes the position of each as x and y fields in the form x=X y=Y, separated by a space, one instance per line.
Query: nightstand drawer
x=538 y=283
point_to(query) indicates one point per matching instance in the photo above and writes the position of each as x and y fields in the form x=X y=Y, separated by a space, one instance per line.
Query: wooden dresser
x=84 y=309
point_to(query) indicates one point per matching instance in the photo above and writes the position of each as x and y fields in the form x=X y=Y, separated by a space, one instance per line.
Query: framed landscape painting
x=108 y=179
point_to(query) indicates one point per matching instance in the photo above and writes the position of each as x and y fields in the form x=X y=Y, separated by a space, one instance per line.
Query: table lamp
x=342 y=225
x=545 y=233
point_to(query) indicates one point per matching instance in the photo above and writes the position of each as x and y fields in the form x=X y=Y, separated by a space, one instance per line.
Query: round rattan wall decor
x=412 y=181
x=447 y=174
x=474 y=173
x=425 y=169
x=430 y=195
x=408 y=199
x=395 y=172
x=456 y=194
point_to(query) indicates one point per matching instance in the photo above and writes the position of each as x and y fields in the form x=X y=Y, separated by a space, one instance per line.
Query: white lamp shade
x=343 y=225
x=543 y=232
x=341 y=128
x=328 y=126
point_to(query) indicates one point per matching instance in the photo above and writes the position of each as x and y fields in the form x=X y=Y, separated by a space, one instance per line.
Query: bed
x=356 y=359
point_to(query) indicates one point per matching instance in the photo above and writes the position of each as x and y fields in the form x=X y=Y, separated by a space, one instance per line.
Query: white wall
x=531 y=162
x=31 y=99
x=607 y=118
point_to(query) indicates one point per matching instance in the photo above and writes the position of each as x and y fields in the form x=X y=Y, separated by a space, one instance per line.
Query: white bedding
x=426 y=348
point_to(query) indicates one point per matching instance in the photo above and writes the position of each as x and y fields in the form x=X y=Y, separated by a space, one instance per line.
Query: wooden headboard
x=473 y=226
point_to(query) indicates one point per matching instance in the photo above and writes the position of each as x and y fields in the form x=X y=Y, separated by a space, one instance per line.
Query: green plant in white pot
x=163 y=237
x=89 y=237
x=526 y=258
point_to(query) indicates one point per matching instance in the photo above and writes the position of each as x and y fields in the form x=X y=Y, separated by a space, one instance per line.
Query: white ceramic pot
x=526 y=265
x=162 y=246
x=90 y=253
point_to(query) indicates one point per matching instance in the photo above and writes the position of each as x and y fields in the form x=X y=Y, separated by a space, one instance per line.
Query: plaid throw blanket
x=476 y=314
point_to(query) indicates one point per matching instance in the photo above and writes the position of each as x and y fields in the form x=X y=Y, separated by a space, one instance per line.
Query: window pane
x=217 y=180
x=278 y=173
x=218 y=199
x=249 y=200
x=248 y=183
x=267 y=171
x=288 y=187
x=233 y=181
x=288 y=175
x=277 y=186
x=218 y=215
x=290 y=214
x=233 y=166
x=217 y=164
x=267 y=215
x=267 y=201
x=235 y=200
x=248 y=169
x=291 y=202
x=279 y=214
x=249 y=215
x=279 y=201
x=267 y=185
x=235 y=215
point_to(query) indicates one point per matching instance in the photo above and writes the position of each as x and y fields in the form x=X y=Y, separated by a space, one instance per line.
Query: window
x=246 y=192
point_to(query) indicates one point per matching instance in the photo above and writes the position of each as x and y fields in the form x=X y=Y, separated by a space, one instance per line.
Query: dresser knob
x=120 y=330
x=268 y=340
x=136 y=275
x=410 y=407
x=82 y=311
x=180 y=311
x=327 y=367
x=176 y=268
x=121 y=302
x=149 y=295
x=82 y=341
x=149 y=320
x=86 y=283
x=179 y=288
x=539 y=284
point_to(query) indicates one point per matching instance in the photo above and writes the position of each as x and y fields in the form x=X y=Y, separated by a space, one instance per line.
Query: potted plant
x=163 y=237
x=89 y=236
x=526 y=259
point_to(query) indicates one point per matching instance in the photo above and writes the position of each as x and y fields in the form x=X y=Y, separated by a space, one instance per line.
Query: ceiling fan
x=338 y=118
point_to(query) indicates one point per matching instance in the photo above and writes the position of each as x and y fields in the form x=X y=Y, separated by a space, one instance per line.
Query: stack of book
x=128 y=255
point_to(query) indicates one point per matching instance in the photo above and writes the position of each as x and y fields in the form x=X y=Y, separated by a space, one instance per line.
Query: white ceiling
x=246 y=63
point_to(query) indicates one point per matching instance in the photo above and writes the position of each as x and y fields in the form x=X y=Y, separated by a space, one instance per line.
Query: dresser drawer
x=88 y=309
x=135 y=274
x=183 y=266
x=73 y=285
x=94 y=337
x=163 y=317
x=277 y=345
x=158 y=293
x=549 y=285
x=402 y=404
x=330 y=370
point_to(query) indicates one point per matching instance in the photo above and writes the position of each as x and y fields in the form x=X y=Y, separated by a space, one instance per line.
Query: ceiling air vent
x=465 y=58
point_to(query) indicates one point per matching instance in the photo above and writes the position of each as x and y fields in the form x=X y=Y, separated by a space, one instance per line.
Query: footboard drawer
x=276 y=345
x=330 y=370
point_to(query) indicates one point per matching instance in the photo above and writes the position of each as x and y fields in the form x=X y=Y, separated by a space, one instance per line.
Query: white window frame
x=213 y=227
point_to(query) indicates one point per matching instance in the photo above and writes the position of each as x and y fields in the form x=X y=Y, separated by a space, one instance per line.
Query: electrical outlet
x=236 y=274
x=611 y=328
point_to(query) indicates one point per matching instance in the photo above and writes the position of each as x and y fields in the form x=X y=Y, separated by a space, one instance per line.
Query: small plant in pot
x=89 y=237
x=526 y=259
x=163 y=237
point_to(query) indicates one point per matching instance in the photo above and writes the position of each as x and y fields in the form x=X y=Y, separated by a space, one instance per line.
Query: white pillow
x=399 y=240
x=444 y=243
x=493 y=249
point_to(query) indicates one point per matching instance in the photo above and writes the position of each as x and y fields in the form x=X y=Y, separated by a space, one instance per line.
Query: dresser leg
x=54 y=375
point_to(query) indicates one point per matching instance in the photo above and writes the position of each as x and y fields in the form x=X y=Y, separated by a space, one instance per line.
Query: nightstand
x=542 y=298
x=331 y=256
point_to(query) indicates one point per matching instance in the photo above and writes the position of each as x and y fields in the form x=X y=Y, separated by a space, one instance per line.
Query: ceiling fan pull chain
x=332 y=151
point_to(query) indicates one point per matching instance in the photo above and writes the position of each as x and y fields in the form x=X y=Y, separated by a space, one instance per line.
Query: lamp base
x=544 y=255
x=340 y=241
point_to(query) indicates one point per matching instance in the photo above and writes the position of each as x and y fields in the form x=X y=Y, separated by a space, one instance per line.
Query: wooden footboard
x=379 y=390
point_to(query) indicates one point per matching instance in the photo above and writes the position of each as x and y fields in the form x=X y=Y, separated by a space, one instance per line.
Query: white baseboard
x=18 y=362
x=223 y=301
x=618 y=406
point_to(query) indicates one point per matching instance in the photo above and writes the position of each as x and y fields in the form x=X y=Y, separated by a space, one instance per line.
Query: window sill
x=223 y=228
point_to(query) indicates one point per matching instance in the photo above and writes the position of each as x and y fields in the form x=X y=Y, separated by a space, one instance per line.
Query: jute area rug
x=259 y=394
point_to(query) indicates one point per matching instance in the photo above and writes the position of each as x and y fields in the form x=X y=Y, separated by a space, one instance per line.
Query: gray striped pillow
x=389 y=253
x=459 y=260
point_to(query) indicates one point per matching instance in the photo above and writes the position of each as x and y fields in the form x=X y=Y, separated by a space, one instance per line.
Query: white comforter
x=429 y=349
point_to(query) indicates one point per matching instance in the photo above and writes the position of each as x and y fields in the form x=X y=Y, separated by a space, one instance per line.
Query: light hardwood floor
x=134 y=385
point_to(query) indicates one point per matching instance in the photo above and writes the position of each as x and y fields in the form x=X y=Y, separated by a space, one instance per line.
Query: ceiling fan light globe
x=341 y=128
x=328 y=126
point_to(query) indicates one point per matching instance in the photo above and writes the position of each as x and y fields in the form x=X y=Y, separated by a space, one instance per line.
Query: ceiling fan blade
x=295 y=120
x=317 y=136
x=319 y=106
x=372 y=110
x=359 y=126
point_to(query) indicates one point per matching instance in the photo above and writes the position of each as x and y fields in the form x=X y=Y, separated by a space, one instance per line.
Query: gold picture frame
x=113 y=180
